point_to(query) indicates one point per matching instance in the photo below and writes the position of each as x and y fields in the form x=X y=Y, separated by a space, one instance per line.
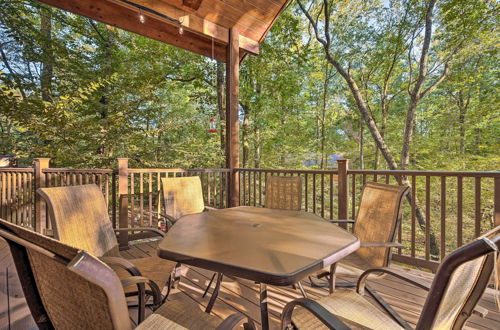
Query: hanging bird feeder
x=213 y=125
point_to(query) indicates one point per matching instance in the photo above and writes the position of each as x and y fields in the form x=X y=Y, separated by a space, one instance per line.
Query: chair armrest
x=360 y=287
x=153 y=230
x=327 y=318
x=138 y=280
x=121 y=263
x=341 y=221
x=382 y=244
x=235 y=321
x=209 y=208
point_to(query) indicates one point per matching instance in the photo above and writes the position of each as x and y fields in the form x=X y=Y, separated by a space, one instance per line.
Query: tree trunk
x=47 y=71
x=245 y=133
x=257 y=148
x=221 y=106
x=362 y=106
x=361 y=147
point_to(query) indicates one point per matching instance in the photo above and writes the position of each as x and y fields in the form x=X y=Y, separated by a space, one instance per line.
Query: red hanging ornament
x=213 y=127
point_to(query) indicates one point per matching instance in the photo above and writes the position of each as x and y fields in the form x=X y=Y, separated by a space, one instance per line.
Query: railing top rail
x=178 y=170
x=79 y=170
x=287 y=171
x=17 y=169
x=491 y=174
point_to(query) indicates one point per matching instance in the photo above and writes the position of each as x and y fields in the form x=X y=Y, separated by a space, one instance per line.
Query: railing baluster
x=477 y=204
x=260 y=188
x=150 y=198
x=459 y=211
x=353 y=198
x=443 y=217
x=331 y=196
x=132 y=200
x=322 y=195
x=413 y=204
x=427 y=216
x=254 y=189
x=314 y=193
x=306 y=192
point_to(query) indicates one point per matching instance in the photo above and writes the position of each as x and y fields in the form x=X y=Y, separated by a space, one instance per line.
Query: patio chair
x=182 y=196
x=283 y=192
x=379 y=216
x=69 y=288
x=79 y=217
x=459 y=283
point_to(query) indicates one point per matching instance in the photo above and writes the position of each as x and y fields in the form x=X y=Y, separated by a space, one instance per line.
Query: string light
x=181 y=29
x=142 y=19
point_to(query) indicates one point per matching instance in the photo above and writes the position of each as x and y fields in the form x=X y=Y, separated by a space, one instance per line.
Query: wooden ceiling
x=205 y=23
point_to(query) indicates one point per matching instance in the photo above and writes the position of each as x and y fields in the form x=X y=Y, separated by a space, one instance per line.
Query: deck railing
x=445 y=209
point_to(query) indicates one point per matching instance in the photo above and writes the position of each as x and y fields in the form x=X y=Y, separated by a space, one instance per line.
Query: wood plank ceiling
x=205 y=23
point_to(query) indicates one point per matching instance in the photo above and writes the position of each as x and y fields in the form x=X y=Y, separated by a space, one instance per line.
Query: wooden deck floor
x=237 y=295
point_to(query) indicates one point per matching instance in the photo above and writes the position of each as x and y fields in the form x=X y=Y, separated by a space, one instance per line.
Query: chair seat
x=155 y=269
x=178 y=315
x=353 y=264
x=354 y=310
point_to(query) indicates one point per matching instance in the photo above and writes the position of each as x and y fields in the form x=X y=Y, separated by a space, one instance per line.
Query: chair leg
x=176 y=275
x=209 y=285
x=301 y=288
x=215 y=293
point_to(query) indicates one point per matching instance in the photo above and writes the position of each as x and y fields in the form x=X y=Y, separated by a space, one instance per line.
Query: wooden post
x=232 y=120
x=123 y=201
x=497 y=201
x=40 y=209
x=343 y=166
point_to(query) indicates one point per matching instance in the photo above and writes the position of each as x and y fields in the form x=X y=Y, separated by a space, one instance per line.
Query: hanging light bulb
x=142 y=19
x=181 y=29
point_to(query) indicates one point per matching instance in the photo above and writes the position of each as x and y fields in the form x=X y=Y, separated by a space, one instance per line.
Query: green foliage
x=115 y=94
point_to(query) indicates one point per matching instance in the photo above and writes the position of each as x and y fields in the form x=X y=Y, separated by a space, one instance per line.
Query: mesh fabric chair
x=181 y=196
x=67 y=288
x=79 y=217
x=283 y=192
x=456 y=289
x=378 y=218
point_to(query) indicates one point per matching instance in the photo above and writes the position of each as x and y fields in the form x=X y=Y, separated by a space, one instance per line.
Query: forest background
x=84 y=93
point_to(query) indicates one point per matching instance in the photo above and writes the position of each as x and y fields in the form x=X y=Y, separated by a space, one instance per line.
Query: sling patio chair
x=79 y=217
x=182 y=196
x=69 y=288
x=283 y=192
x=452 y=298
x=379 y=216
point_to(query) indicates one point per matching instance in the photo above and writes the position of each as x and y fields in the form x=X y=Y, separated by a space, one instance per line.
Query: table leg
x=215 y=293
x=263 y=307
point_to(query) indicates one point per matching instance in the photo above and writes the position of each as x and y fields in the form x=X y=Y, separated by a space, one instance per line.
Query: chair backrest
x=182 y=195
x=459 y=283
x=65 y=288
x=79 y=217
x=283 y=192
x=379 y=215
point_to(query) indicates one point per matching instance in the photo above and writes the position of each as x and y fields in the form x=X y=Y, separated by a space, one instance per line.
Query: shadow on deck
x=238 y=295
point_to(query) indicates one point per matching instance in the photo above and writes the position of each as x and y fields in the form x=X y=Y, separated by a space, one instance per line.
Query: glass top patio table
x=269 y=246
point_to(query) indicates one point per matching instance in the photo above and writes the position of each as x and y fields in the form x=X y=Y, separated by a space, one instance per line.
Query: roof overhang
x=205 y=23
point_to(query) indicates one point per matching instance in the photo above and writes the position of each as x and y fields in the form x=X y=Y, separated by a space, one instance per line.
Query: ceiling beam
x=127 y=18
x=190 y=21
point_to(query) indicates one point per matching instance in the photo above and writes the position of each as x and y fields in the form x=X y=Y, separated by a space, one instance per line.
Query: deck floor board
x=238 y=295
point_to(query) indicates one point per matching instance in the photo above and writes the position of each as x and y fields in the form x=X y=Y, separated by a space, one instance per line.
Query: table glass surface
x=268 y=245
